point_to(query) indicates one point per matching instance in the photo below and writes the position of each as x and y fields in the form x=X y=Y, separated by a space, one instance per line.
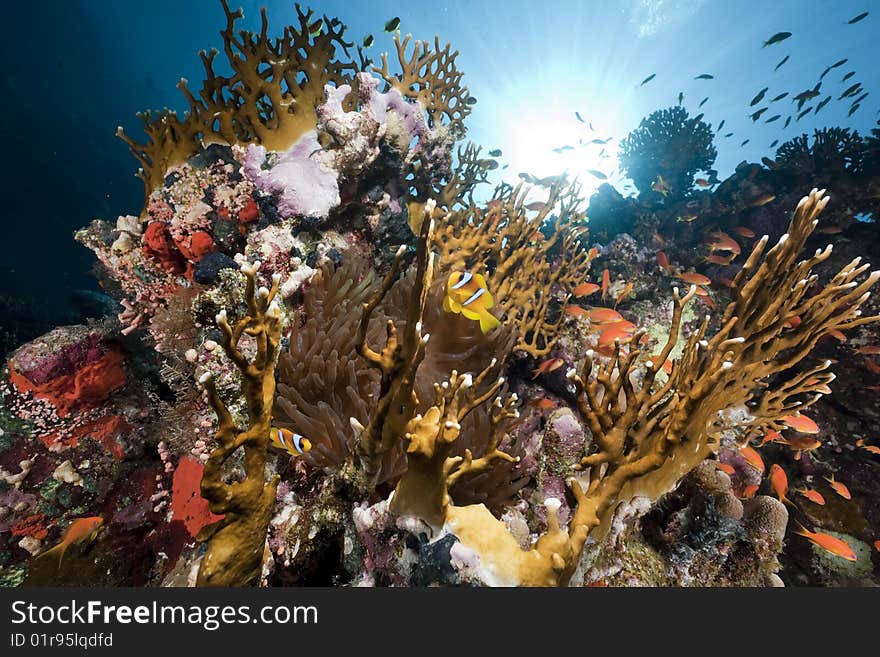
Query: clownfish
x=293 y=443
x=468 y=294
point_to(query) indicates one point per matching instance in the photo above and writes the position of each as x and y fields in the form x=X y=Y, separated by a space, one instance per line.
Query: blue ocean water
x=77 y=69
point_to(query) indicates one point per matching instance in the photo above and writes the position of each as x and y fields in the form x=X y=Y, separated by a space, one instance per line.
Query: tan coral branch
x=398 y=360
x=422 y=491
x=234 y=555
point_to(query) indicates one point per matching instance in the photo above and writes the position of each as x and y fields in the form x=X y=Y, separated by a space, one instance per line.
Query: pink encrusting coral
x=301 y=184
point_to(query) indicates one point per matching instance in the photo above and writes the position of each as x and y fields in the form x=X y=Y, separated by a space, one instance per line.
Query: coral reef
x=306 y=224
x=833 y=151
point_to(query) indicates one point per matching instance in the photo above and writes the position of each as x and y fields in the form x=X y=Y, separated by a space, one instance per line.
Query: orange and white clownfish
x=293 y=443
x=468 y=294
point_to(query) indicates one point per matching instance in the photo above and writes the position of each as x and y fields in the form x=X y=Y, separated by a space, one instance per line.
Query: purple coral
x=357 y=134
x=301 y=182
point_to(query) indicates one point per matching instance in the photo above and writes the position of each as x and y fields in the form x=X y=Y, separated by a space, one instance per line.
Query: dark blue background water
x=75 y=69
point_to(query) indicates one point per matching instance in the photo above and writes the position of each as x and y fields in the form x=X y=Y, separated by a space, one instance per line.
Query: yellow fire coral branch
x=236 y=543
x=430 y=77
x=423 y=490
x=266 y=100
x=524 y=280
x=398 y=360
x=648 y=437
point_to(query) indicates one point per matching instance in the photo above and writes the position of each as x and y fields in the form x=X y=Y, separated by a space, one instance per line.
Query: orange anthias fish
x=468 y=294
x=694 y=278
x=827 y=542
x=725 y=467
x=742 y=231
x=704 y=295
x=720 y=241
x=576 y=311
x=606 y=280
x=585 y=289
x=592 y=254
x=78 y=530
x=547 y=366
x=872 y=367
x=872 y=448
x=771 y=436
x=800 y=423
x=661 y=186
x=716 y=259
x=702 y=182
x=749 y=491
x=543 y=404
x=627 y=290
x=753 y=458
x=839 y=488
x=869 y=350
x=292 y=443
x=824 y=388
x=663 y=261
x=604 y=316
x=801 y=444
x=837 y=335
x=622 y=331
x=779 y=483
x=813 y=495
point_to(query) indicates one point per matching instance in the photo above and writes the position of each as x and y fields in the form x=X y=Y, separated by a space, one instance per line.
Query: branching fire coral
x=648 y=438
x=430 y=77
x=236 y=543
x=423 y=490
x=266 y=100
x=506 y=245
x=397 y=361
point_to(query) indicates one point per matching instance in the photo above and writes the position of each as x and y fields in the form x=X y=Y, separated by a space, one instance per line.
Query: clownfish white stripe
x=297 y=442
x=476 y=295
x=281 y=439
x=465 y=279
